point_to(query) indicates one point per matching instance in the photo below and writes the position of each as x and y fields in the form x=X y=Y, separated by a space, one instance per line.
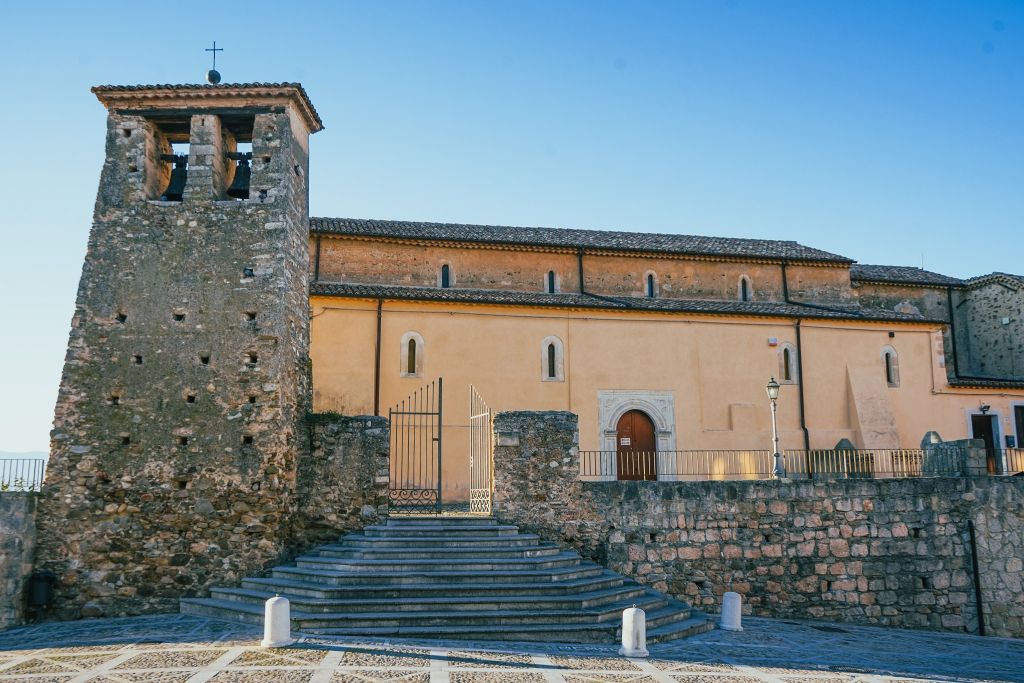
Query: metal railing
x=1014 y=460
x=701 y=465
x=22 y=474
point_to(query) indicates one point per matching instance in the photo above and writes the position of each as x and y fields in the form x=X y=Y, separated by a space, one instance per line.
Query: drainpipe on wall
x=376 y=360
x=579 y=260
x=316 y=261
x=800 y=369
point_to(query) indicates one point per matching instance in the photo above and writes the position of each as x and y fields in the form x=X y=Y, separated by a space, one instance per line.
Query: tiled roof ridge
x=996 y=275
x=621 y=303
x=612 y=240
x=869 y=272
x=208 y=87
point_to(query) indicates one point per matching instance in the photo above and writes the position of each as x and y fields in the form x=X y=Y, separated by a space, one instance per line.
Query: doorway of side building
x=984 y=427
x=635 y=447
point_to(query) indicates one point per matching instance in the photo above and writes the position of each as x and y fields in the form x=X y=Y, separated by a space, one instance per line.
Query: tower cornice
x=195 y=96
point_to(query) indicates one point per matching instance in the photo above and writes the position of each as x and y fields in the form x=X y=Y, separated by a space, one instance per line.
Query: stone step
x=451 y=577
x=495 y=590
x=312 y=622
x=441 y=541
x=506 y=603
x=694 y=624
x=442 y=520
x=478 y=564
x=328 y=576
x=344 y=551
x=597 y=632
x=455 y=530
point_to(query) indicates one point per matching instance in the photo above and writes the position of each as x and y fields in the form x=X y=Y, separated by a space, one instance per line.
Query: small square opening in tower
x=182 y=440
x=204 y=358
x=126 y=440
x=247 y=440
x=137 y=359
x=190 y=398
x=121 y=317
x=251 y=358
x=178 y=317
x=252 y=398
x=250 y=316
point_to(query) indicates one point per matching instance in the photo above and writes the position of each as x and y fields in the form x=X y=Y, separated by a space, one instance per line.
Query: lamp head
x=772 y=389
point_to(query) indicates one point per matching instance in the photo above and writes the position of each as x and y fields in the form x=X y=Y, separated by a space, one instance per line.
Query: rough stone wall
x=987 y=347
x=380 y=262
x=888 y=552
x=17 y=541
x=343 y=482
x=179 y=416
x=928 y=301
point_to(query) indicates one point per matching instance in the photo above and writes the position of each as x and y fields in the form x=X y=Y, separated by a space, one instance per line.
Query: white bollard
x=732 y=612
x=634 y=633
x=277 y=623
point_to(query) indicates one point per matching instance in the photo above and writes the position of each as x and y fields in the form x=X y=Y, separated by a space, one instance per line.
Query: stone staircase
x=451 y=577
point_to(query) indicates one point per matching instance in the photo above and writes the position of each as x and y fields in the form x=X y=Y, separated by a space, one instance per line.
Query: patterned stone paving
x=184 y=649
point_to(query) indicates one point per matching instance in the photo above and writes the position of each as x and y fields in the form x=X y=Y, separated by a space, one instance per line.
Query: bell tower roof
x=196 y=97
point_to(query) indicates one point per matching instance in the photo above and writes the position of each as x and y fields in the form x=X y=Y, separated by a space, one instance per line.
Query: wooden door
x=981 y=428
x=636 y=447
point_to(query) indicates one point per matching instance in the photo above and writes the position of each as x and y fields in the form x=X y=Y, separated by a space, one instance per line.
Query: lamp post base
x=779 y=471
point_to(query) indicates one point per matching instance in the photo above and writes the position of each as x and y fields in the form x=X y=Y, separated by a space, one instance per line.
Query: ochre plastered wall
x=715 y=366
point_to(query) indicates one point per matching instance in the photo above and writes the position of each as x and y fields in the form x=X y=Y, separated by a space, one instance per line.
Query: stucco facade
x=712 y=366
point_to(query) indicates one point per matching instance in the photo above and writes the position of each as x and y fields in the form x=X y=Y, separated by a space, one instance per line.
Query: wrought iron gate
x=481 y=454
x=416 y=452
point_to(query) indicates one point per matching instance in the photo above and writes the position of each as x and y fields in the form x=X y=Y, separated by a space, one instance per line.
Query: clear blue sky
x=878 y=130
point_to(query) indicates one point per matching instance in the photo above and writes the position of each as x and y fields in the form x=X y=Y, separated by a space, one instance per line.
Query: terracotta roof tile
x=577 y=300
x=573 y=238
x=905 y=275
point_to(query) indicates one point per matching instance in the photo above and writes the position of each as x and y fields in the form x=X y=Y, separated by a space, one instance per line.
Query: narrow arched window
x=412 y=355
x=892 y=366
x=551 y=282
x=446 y=276
x=552 y=360
x=744 y=288
x=789 y=364
x=650 y=285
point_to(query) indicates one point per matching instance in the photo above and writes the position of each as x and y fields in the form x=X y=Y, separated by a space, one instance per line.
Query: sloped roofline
x=567 y=238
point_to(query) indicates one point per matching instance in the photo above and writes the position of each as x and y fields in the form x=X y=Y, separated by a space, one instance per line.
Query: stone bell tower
x=179 y=419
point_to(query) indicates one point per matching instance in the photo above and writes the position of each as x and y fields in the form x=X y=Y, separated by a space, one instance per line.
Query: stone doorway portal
x=636 y=447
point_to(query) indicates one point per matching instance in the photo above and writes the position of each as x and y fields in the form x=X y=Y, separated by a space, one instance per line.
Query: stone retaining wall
x=17 y=543
x=888 y=552
x=343 y=482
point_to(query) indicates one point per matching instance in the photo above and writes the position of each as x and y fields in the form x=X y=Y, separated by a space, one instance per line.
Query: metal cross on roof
x=214 y=50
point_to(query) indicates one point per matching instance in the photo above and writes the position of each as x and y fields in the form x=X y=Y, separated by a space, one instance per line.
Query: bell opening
x=178 y=160
x=242 y=176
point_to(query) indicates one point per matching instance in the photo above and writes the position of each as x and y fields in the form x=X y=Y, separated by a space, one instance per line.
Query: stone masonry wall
x=17 y=541
x=179 y=420
x=343 y=482
x=888 y=552
x=987 y=347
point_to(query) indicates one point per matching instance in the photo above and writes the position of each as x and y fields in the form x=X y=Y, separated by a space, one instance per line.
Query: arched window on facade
x=892 y=366
x=746 y=291
x=446 y=276
x=412 y=355
x=789 y=364
x=650 y=285
x=552 y=360
x=551 y=282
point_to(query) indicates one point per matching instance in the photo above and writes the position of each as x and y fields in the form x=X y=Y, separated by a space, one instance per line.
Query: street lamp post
x=779 y=470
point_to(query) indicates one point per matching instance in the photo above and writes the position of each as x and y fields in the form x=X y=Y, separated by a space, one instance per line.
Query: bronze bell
x=179 y=174
x=243 y=173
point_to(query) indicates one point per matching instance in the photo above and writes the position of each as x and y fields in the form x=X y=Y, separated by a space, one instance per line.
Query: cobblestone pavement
x=177 y=648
